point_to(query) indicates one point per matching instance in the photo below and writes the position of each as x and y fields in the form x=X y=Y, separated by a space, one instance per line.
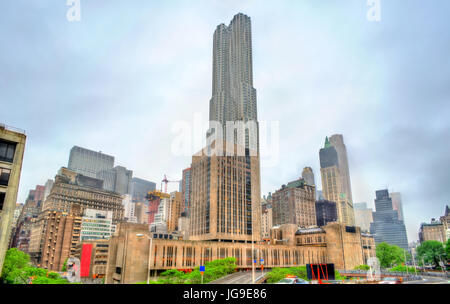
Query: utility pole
x=414 y=260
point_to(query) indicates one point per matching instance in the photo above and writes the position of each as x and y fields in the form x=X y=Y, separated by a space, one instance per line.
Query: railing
x=10 y=128
x=407 y=276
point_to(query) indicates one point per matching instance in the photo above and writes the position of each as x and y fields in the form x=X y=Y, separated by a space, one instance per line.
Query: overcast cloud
x=120 y=78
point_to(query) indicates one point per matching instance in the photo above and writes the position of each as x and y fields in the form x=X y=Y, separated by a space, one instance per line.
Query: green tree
x=15 y=260
x=431 y=252
x=390 y=255
x=447 y=249
x=362 y=267
x=64 y=267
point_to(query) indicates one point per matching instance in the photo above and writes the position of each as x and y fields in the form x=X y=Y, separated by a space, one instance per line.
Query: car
x=292 y=280
x=390 y=280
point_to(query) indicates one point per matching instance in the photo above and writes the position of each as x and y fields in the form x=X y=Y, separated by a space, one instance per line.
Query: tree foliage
x=431 y=252
x=362 y=267
x=390 y=255
x=18 y=270
x=403 y=268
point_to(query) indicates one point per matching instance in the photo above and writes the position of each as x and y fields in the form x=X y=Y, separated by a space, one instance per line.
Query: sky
x=120 y=79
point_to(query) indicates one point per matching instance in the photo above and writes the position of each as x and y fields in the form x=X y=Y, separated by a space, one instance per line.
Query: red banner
x=85 y=263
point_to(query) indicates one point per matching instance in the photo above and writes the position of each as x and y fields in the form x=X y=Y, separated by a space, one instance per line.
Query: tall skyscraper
x=335 y=179
x=326 y=212
x=88 y=162
x=233 y=95
x=12 y=146
x=225 y=190
x=397 y=204
x=308 y=176
x=386 y=226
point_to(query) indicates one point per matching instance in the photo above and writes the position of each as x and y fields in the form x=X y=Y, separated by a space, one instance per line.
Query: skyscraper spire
x=327 y=143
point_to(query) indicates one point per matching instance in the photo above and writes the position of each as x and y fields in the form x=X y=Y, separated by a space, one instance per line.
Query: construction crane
x=166 y=181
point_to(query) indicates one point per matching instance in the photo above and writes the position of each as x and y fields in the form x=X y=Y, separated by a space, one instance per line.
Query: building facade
x=432 y=231
x=140 y=188
x=335 y=185
x=294 y=203
x=225 y=197
x=175 y=208
x=266 y=220
x=88 y=162
x=12 y=146
x=93 y=256
x=96 y=224
x=308 y=176
x=186 y=189
x=73 y=188
x=397 y=204
x=117 y=179
x=130 y=261
x=386 y=226
x=326 y=212
x=363 y=216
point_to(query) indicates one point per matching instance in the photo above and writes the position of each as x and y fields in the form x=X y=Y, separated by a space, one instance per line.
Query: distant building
x=140 y=211
x=336 y=179
x=183 y=226
x=266 y=218
x=47 y=188
x=186 y=189
x=445 y=220
x=88 y=162
x=54 y=237
x=397 y=204
x=117 y=179
x=70 y=187
x=129 y=212
x=96 y=224
x=363 y=216
x=326 y=212
x=386 y=226
x=434 y=231
x=159 y=223
x=295 y=203
x=174 y=211
x=12 y=145
x=308 y=176
x=140 y=188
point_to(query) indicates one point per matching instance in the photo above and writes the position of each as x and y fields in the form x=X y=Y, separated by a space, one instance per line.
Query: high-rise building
x=294 y=203
x=186 y=189
x=12 y=145
x=140 y=188
x=88 y=162
x=225 y=184
x=326 y=212
x=140 y=211
x=70 y=187
x=386 y=226
x=233 y=95
x=397 y=204
x=335 y=180
x=30 y=211
x=363 y=216
x=117 y=179
x=159 y=223
x=308 y=176
x=225 y=199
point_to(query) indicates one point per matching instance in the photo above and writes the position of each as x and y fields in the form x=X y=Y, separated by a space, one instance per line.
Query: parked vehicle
x=390 y=280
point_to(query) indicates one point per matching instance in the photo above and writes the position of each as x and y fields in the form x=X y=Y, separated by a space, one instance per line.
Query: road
x=242 y=277
x=429 y=280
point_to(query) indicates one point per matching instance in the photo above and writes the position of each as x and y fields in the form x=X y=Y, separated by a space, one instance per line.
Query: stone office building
x=73 y=188
x=128 y=260
x=294 y=203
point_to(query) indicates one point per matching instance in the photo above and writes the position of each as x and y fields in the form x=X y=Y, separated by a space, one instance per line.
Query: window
x=7 y=150
x=2 y=199
x=4 y=176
